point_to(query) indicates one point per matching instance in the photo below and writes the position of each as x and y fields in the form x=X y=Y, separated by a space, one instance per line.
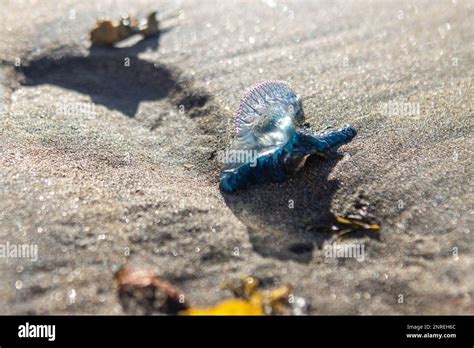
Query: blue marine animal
x=270 y=142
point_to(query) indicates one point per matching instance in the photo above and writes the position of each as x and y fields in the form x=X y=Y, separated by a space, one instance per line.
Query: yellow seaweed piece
x=251 y=302
x=279 y=294
x=227 y=307
x=245 y=288
x=357 y=223
x=342 y=220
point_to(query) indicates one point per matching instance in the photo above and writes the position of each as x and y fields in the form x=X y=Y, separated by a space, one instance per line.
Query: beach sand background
x=101 y=166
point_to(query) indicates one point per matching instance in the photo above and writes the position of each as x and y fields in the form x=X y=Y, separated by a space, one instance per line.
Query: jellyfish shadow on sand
x=288 y=220
x=112 y=76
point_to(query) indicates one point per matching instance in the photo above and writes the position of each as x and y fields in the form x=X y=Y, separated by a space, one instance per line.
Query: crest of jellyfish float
x=270 y=143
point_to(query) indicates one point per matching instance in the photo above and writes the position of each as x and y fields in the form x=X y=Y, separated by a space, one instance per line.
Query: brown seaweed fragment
x=142 y=292
x=108 y=33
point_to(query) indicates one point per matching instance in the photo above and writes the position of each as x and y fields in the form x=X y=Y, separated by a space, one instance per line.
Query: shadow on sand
x=286 y=221
x=113 y=77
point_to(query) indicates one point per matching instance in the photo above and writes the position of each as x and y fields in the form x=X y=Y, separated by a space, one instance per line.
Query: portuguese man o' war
x=270 y=142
